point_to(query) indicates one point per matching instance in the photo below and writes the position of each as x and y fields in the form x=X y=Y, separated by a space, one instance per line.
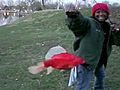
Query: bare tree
x=115 y=4
x=58 y=6
x=10 y=2
x=59 y=3
x=30 y=4
x=17 y=2
x=43 y=2
x=2 y=3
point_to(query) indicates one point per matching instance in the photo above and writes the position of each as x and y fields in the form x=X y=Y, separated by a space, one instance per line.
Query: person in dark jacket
x=92 y=42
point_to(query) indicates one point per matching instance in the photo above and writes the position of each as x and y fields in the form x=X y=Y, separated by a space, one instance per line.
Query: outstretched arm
x=75 y=21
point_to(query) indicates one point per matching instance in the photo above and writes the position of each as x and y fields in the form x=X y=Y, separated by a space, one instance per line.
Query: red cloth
x=100 y=6
x=64 y=61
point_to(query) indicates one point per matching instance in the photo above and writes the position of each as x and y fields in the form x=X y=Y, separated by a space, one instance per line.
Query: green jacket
x=89 y=38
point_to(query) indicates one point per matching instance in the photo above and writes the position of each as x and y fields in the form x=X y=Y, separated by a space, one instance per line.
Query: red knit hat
x=100 y=6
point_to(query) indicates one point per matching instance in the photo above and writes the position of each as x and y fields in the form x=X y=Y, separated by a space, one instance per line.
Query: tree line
x=36 y=5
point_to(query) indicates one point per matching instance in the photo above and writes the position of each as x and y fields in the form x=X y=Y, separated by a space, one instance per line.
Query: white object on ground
x=51 y=52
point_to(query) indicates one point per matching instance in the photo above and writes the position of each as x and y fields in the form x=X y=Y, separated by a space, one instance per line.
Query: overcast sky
x=111 y=1
x=74 y=1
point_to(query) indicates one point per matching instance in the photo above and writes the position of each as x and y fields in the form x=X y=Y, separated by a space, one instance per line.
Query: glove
x=115 y=27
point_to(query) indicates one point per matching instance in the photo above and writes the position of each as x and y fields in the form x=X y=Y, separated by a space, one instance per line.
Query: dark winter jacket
x=90 y=39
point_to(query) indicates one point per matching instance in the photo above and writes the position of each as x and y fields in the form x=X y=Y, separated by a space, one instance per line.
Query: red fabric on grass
x=64 y=61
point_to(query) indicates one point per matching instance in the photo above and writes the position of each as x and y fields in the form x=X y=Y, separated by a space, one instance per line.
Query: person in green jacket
x=92 y=42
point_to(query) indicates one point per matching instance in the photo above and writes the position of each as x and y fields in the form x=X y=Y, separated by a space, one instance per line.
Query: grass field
x=25 y=43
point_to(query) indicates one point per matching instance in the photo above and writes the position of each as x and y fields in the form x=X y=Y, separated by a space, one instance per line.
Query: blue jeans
x=99 y=74
x=85 y=75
